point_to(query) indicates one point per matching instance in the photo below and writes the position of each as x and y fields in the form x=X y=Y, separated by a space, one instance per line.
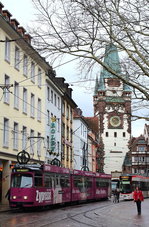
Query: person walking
x=138 y=198
x=117 y=194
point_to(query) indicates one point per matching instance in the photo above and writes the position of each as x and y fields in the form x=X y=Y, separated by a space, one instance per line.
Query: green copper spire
x=111 y=60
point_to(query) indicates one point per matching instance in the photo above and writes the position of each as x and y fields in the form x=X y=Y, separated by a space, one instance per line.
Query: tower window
x=115 y=134
x=107 y=134
x=115 y=144
x=124 y=134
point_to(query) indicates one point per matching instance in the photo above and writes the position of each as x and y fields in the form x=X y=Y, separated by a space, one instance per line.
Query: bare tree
x=82 y=28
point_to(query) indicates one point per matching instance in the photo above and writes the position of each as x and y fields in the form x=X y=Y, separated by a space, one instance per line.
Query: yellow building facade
x=22 y=98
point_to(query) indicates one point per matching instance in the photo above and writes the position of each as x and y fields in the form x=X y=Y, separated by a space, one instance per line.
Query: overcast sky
x=24 y=12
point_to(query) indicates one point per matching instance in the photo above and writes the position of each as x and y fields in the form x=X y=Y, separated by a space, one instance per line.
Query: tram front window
x=22 y=181
x=125 y=187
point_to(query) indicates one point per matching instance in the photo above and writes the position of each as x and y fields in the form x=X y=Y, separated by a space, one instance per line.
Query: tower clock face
x=115 y=121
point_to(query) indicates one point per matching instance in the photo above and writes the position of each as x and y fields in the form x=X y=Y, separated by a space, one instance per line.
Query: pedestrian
x=117 y=194
x=114 y=196
x=138 y=198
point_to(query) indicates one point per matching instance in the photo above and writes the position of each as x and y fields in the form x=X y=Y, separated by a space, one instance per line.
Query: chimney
x=14 y=23
x=1 y=6
x=28 y=38
x=6 y=14
x=21 y=30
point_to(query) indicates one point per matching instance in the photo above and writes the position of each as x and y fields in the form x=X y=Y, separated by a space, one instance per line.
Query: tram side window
x=48 y=181
x=100 y=183
x=38 y=180
x=64 y=181
x=88 y=182
x=78 y=182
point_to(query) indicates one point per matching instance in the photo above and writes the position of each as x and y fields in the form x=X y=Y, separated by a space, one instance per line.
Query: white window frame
x=16 y=95
x=15 y=136
x=24 y=137
x=7 y=49
x=6 y=133
x=32 y=147
x=33 y=72
x=17 y=58
x=6 y=91
x=39 y=77
x=39 y=110
x=39 y=144
x=25 y=65
x=51 y=96
x=48 y=117
x=48 y=142
x=24 y=100
x=32 y=105
x=48 y=93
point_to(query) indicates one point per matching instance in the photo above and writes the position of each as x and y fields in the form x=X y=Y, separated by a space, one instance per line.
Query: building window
x=141 y=148
x=71 y=133
x=48 y=117
x=124 y=134
x=6 y=91
x=24 y=100
x=71 y=115
x=25 y=65
x=32 y=105
x=39 y=144
x=33 y=72
x=7 y=49
x=58 y=124
x=48 y=93
x=115 y=134
x=63 y=108
x=115 y=144
x=67 y=133
x=67 y=114
x=63 y=130
x=39 y=110
x=58 y=147
x=39 y=77
x=67 y=153
x=32 y=142
x=107 y=134
x=6 y=133
x=48 y=142
x=16 y=95
x=51 y=96
x=24 y=137
x=15 y=136
x=58 y=103
x=55 y=100
x=17 y=58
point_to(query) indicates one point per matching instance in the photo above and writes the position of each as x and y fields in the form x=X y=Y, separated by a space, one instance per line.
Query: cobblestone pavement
x=96 y=214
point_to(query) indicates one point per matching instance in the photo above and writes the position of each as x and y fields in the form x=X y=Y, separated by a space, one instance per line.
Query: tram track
x=45 y=220
x=84 y=213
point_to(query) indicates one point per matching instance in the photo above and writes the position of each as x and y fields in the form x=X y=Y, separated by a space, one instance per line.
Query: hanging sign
x=53 y=133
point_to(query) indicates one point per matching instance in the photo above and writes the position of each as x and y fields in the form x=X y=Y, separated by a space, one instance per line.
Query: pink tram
x=34 y=185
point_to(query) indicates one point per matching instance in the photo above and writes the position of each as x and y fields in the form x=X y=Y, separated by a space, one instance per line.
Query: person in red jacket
x=138 y=198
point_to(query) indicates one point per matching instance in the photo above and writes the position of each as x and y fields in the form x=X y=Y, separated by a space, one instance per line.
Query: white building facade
x=53 y=121
x=80 y=141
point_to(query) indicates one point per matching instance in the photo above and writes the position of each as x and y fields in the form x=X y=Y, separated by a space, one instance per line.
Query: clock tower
x=112 y=105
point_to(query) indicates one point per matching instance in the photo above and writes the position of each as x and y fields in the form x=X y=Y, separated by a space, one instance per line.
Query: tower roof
x=111 y=60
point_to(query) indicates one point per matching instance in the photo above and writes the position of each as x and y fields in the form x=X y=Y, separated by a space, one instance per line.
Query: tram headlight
x=14 y=197
x=25 y=197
